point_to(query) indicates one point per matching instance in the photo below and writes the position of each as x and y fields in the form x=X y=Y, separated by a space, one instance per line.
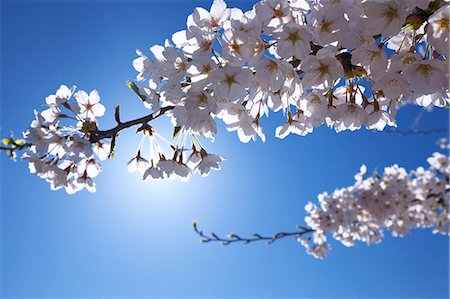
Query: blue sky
x=134 y=238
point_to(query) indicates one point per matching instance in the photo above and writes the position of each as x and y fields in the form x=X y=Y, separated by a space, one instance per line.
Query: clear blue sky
x=134 y=238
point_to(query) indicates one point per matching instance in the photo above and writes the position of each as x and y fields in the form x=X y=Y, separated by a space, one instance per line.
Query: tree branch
x=233 y=238
x=111 y=133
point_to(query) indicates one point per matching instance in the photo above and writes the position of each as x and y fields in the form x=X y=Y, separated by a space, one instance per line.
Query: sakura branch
x=12 y=145
x=343 y=64
x=394 y=201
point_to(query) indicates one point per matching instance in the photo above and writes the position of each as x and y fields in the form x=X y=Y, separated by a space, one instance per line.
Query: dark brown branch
x=234 y=238
x=111 y=133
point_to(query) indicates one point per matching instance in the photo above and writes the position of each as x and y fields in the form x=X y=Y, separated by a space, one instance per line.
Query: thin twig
x=234 y=238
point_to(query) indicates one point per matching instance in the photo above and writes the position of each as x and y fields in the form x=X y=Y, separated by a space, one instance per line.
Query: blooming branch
x=395 y=201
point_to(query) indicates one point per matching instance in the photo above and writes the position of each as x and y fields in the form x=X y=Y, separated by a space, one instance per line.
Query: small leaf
x=176 y=131
x=135 y=89
x=21 y=141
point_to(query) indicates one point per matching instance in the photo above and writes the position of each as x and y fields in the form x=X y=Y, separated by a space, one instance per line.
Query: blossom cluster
x=60 y=151
x=346 y=64
x=395 y=201
x=184 y=160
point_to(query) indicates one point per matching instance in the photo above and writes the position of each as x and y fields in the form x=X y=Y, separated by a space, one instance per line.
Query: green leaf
x=176 y=131
x=135 y=89
x=6 y=141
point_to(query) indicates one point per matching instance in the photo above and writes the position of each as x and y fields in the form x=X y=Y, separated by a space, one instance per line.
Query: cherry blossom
x=346 y=64
x=395 y=201
x=89 y=106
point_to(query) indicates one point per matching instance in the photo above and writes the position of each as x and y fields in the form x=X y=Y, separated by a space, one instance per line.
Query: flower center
x=179 y=64
x=293 y=37
x=323 y=69
x=408 y=60
x=88 y=106
x=202 y=100
x=235 y=47
x=277 y=12
x=229 y=80
x=389 y=14
x=325 y=26
x=315 y=100
x=272 y=66
x=205 y=44
x=393 y=82
x=443 y=24
x=206 y=69
x=425 y=70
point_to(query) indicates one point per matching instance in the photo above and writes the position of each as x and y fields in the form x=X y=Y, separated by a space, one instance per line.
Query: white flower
x=440 y=162
x=402 y=60
x=142 y=64
x=91 y=166
x=238 y=119
x=293 y=41
x=173 y=169
x=315 y=107
x=373 y=57
x=86 y=181
x=241 y=47
x=321 y=69
x=151 y=96
x=102 y=150
x=230 y=82
x=200 y=68
x=194 y=158
x=197 y=121
x=208 y=162
x=348 y=116
x=385 y=17
x=138 y=163
x=38 y=138
x=89 y=106
x=62 y=95
x=438 y=30
x=78 y=145
x=153 y=171
x=273 y=14
x=378 y=119
x=437 y=99
x=51 y=114
x=272 y=74
x=247 y=23
x=197 y=42
x=212 y=19
x=393 y=85
x=170 y=63
x=329 y=24
x=298 y=124
x=427 y=76
x=57 y=144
